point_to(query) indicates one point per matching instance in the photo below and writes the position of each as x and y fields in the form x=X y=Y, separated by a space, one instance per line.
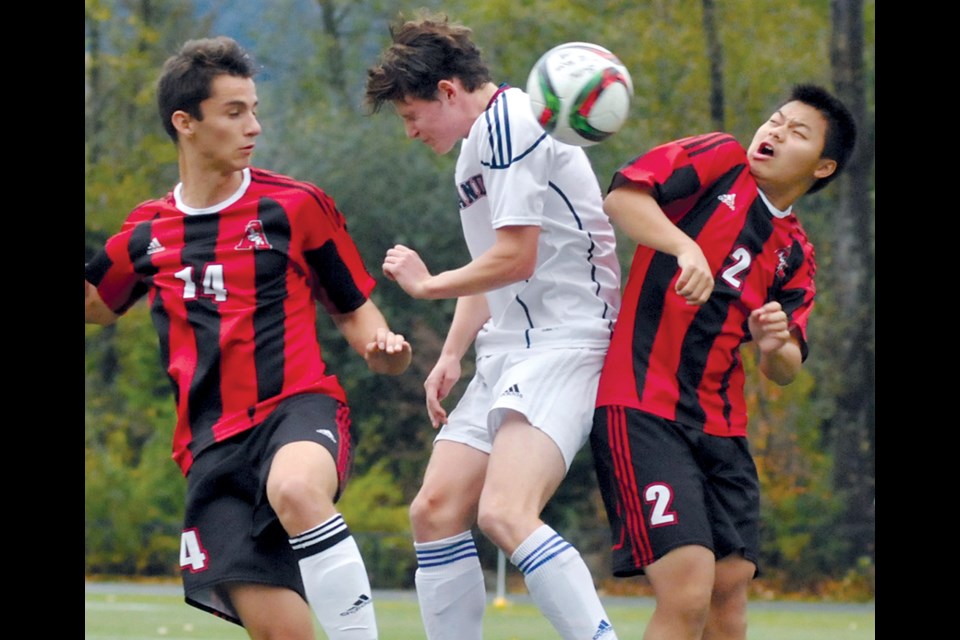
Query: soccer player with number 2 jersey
x=234 y=261
x=721 y=260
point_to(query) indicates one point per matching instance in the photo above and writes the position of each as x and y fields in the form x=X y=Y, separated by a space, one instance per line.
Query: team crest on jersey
x=782 y=256
x=254 y=237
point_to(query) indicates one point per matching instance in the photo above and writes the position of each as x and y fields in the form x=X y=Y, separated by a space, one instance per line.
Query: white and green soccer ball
x=580 y=93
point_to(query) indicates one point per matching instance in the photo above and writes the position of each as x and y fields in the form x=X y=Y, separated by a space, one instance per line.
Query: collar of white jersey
x=220 y=206
x=500 y=89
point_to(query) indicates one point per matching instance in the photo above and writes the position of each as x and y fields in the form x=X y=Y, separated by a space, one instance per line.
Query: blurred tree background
x=697 y=66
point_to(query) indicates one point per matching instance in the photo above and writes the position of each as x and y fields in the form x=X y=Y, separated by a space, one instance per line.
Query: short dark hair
x=187 y=76
x=425 y=51
x=841 y=134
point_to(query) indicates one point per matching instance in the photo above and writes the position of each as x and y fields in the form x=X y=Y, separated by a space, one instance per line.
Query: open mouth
x=766 y=149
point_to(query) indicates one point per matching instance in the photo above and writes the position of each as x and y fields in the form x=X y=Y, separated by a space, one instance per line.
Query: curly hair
x=424 y=51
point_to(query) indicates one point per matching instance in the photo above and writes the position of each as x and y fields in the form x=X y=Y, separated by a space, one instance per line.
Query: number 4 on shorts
x=192 y=555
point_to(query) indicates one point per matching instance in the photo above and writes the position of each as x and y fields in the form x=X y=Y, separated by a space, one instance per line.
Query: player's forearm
x=639 y=216
x=782 y=365
x=95 y=311
x=512 y=258
x=359 y=327
x=468 y=318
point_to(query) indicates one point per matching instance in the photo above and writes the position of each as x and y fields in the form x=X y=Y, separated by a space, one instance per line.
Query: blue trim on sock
x=446 y=555
x=547 y=551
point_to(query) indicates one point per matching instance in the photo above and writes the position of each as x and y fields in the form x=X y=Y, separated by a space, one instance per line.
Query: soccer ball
x=580 y=93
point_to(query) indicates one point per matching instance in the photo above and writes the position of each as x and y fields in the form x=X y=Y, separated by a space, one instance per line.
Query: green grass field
x=123 y=613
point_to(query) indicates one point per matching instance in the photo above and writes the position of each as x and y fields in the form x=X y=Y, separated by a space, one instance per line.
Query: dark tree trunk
x=715 y=55
x=854 y=424
x=334 y=56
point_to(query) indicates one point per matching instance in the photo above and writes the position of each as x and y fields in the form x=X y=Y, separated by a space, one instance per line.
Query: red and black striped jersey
x=232 y=293
x=683 y=362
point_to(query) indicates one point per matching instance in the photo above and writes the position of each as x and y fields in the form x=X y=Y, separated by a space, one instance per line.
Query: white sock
x=450 y=588
x=336 y=582
x=560 y=584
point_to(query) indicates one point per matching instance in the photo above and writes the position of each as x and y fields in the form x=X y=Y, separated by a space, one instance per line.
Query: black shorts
x=230 y=532
x=666 y=485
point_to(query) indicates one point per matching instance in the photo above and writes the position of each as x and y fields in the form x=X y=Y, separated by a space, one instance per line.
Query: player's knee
x=502 y=527
x=731 y=583
x=291 y=496
x=419 y=511
x=687 y=608
x=434 y=514
x=728 y=609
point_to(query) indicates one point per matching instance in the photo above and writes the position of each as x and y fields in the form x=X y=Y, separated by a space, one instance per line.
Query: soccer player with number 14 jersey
x=234 y=261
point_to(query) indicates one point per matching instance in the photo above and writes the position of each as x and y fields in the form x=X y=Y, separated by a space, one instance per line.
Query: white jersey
x=510 y=172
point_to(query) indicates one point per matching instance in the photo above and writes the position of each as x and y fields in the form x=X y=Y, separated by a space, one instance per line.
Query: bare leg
x=447 y=501
x=272 y=613
x=728 y=608
x=526 y=467
x=682 y=582
x=300 y=487
x=449 y=579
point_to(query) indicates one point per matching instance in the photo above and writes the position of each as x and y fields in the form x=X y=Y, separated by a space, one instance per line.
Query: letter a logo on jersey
x=782 y=256
x=254 y=237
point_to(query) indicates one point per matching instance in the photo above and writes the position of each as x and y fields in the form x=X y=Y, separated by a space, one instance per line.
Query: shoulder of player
x=513 y=106
x=717 y=141
x=507 y=129
x=152 y=209
x=289 y=187
x=299 y=198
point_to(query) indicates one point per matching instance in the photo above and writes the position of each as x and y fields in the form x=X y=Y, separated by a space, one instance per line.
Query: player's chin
x=441 y=148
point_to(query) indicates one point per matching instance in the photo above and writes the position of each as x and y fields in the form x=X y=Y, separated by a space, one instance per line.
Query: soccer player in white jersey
x=538 y=301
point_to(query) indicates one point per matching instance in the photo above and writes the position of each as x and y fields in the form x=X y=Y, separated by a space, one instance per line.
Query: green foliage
x=799 y=511
x=133 y=494
x=375 y=509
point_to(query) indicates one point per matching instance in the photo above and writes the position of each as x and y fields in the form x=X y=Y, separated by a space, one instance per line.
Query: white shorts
x=555 y=389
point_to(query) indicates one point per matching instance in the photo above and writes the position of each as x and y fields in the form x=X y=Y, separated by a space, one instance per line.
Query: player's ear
x=446 y=89
x=182 y=122
x=825 y=167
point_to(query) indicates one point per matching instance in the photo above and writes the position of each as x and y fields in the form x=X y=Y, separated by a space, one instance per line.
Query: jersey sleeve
x=797 y=289
x=516 y=156
x=680 y=170
x=338 y=277
x=111 y=269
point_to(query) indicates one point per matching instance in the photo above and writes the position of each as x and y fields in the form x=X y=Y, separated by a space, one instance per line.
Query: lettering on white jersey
x=471 y=190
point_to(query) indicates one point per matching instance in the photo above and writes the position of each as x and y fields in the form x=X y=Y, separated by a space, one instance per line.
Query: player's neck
x=483 y=96
x=780 y=196
x=202 y=188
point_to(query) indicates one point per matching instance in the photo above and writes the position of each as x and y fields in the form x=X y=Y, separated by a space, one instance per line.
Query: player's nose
x=253 y=126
